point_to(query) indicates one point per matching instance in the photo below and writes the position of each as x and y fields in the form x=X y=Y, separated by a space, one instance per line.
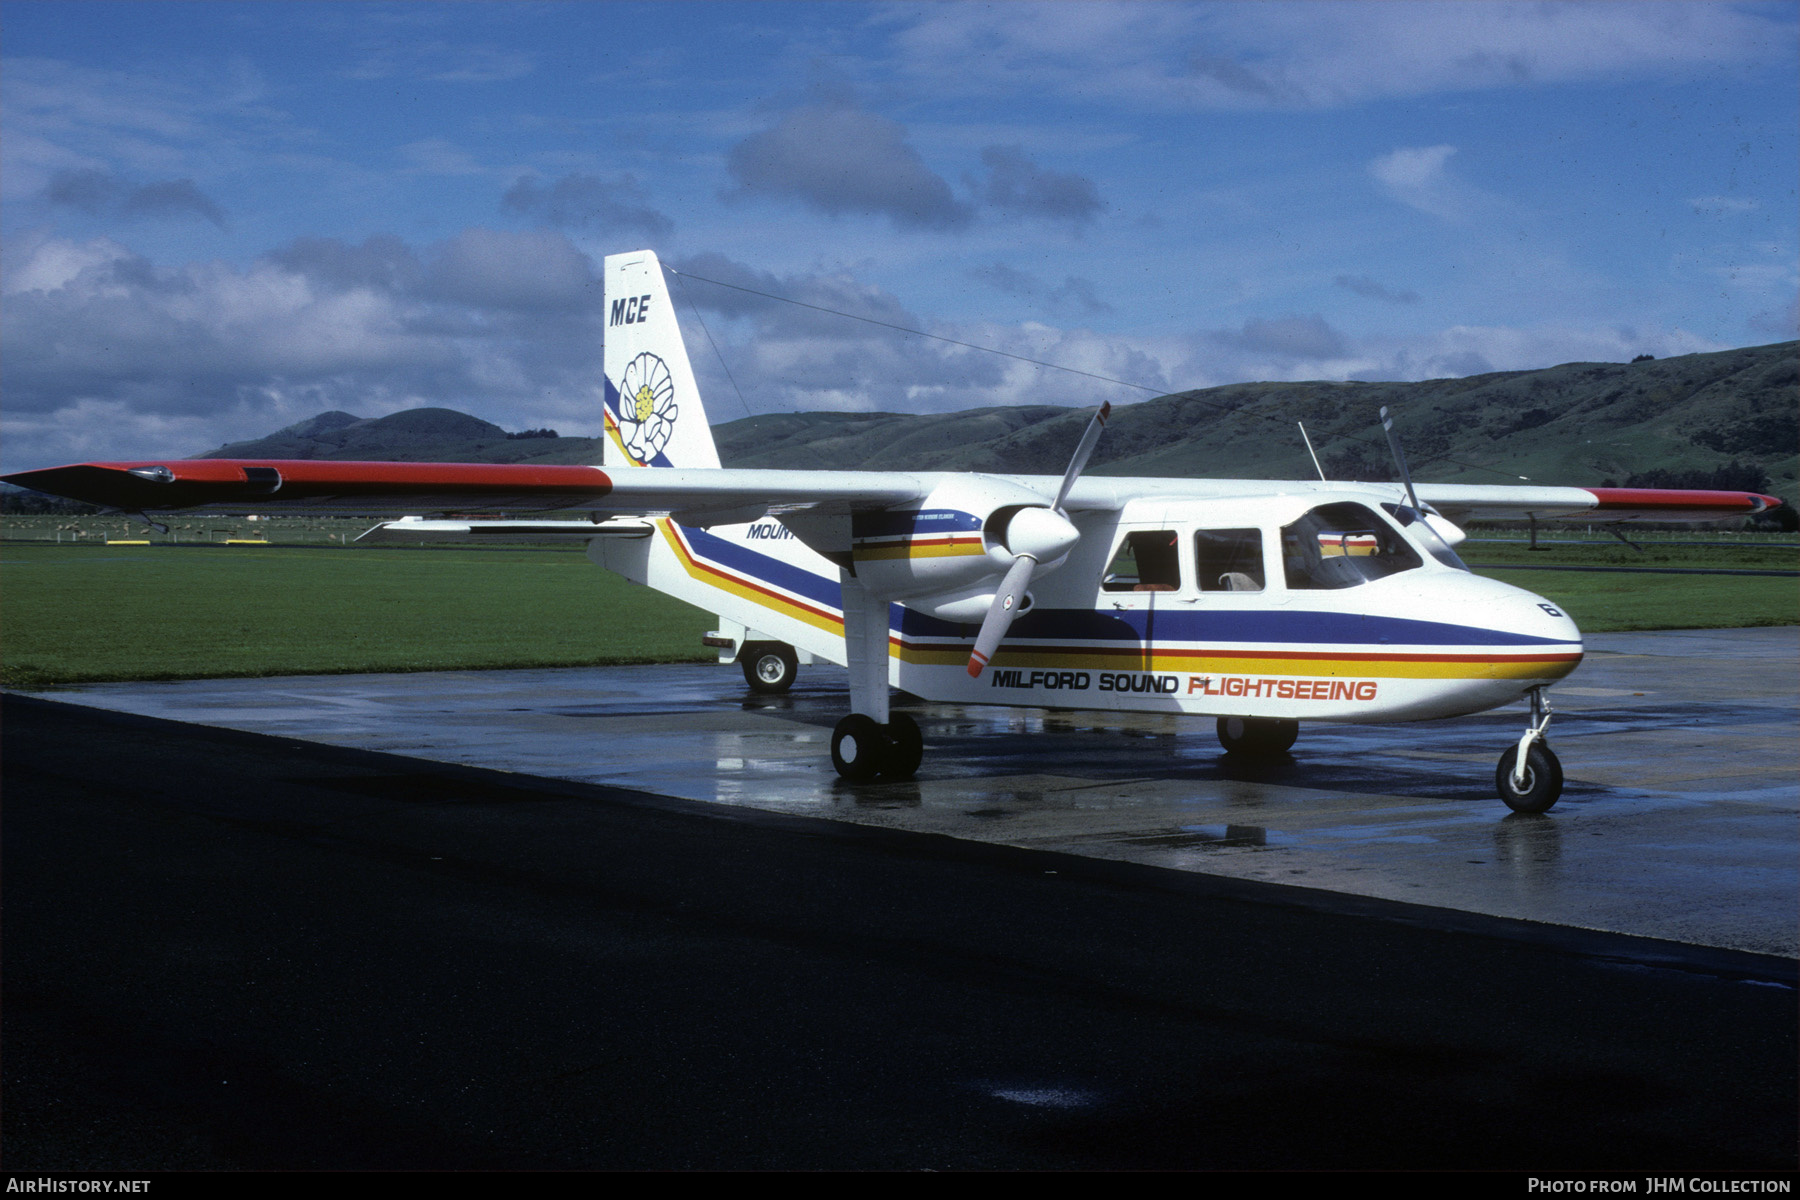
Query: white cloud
x=505 y=325
x=38 y=262
x=1412 y=169
x=1317 y=54
x=838 y=159
x=1418 y=176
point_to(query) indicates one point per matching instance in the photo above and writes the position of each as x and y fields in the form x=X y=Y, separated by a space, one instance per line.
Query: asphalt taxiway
x=633 y=922
x=1678 y=820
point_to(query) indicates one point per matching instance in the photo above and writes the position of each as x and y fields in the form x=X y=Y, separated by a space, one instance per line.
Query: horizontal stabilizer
x=410 y=530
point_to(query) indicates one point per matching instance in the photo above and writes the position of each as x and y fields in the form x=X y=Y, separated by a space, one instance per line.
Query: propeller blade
x=1001 y=613
x=1387 y=426
x=1046 y=532
x=1089 y=438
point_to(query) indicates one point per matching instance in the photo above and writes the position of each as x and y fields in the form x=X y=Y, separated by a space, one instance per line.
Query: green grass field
x=1608 y=602
x=88 y=612
x=72 y=614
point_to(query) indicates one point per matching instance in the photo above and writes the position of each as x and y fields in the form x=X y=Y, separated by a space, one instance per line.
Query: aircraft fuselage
x=1220 y=619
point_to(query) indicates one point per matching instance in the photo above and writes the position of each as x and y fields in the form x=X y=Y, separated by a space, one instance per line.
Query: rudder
x=654 y=417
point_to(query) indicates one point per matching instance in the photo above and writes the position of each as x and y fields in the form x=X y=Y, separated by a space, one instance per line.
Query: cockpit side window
x=1340 y=546
x=1147 y=561
x=1229 y=560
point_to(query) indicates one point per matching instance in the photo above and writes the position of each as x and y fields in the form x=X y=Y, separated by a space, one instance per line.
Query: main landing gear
x=1257 y=737
x=862 y=747
x=1529 y=777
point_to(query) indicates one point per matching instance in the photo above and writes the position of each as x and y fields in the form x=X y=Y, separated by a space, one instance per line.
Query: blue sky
x=217 y=219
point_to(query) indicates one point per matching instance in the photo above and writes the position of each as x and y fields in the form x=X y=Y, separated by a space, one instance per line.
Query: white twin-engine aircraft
x=1262 y=604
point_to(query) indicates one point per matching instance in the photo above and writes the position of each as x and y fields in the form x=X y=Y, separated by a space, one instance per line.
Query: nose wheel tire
x=769 y=668
x=1257 y=737
x=1543 y=779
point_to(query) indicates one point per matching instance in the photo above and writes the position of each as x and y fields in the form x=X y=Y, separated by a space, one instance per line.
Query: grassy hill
x=415 y=435
x=1570 y=424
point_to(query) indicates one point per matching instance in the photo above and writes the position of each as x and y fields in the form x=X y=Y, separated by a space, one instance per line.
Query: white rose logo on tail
x=647 y=408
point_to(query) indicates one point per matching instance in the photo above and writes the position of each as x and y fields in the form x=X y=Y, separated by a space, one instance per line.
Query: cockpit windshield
x=1341 y=546
x=1413 y=521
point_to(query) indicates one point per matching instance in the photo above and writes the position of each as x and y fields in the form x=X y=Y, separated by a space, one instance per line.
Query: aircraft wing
x=1600 y=505
x=710 y=495
x=376 y=488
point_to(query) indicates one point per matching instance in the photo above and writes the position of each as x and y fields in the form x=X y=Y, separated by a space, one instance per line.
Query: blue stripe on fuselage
x=1290 y=626
x=763 y=569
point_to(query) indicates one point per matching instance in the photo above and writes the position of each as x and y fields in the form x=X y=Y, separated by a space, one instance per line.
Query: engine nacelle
x=961 y=537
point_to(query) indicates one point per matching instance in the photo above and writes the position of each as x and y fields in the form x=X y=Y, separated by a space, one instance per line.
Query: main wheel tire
x=1543 y=779
x=906 y=747
x=859 y=747
x=769 y=667
x=1257 y=737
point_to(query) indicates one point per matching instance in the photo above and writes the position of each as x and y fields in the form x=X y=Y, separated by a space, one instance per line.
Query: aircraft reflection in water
x=1261 y=604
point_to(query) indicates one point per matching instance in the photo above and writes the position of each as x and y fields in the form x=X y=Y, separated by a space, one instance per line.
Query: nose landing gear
x=1529 y=778
x=769 y=667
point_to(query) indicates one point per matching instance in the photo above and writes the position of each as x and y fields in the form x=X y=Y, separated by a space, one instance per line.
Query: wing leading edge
x=721 y=496
x=1464 y=502
x=382 y=488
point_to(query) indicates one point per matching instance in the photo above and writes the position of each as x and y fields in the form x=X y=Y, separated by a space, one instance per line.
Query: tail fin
x=654 y=417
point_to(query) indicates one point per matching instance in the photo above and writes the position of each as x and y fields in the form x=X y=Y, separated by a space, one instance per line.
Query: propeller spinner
x=1035 y=535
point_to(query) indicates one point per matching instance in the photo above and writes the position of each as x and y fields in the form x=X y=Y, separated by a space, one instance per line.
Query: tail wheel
x=1543 y=779
x=906 y=747
x=1257 y=737
x=769 y=667
x=859 y=747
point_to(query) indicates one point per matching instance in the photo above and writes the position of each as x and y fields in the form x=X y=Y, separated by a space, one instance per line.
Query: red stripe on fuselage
x=707 y=566
x=1175 y=651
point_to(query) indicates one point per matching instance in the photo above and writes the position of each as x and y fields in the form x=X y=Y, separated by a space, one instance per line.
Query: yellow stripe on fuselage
x=1312 y=665
x=935 y=548
x=766 y=597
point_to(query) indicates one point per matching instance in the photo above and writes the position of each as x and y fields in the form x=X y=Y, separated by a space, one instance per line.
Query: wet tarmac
x=230 y=951
x=1677 y=821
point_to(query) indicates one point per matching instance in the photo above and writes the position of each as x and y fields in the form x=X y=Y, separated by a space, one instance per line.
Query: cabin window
x=1147 y=561
x=1229 y=560
x=1340 y=546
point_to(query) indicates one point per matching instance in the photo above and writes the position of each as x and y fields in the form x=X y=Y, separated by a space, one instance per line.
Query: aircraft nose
x=1545 y=621
x=1545 y=618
